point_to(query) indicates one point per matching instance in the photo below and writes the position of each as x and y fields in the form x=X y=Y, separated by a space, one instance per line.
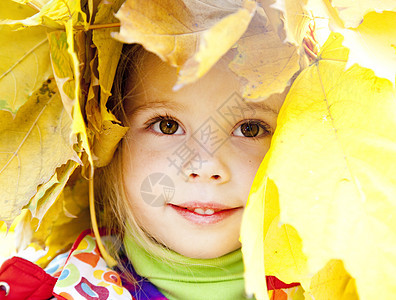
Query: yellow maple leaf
x=65 y=220
x=295 y=18
x=108 y=50
x=107 y=130
x=332 y=282
x=52 y=14
x=47 y=193
x=369 y=30
x=37 y=4
x=37 y=142
x=189 y=34
x=264 y=60
x=193 y=36
x=63 y=69
x=269 y=247
x=66 y=70
x=332 y=160
x=24 y=58
x=215 y=42
x=373 y=44
x=352 y=12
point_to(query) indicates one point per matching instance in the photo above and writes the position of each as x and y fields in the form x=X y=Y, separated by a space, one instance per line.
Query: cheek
x=247 y=167
x=143 y=155
x=139 y=162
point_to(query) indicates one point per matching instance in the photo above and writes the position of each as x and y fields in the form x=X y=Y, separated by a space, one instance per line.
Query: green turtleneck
x=180 y=277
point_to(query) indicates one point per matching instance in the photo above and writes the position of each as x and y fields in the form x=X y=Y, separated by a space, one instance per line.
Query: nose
x=204 y=167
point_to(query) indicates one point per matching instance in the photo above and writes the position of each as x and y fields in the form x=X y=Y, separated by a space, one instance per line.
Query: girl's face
x=191 y=156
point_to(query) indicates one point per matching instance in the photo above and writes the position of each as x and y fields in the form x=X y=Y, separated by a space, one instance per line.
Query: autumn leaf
x=332 y=281
x=109 y=51
x=337 y=132
x=368 y=28
x=52 y=14
x=47 y=193
x=373 y=44
x=269 y=247
x=24 y=58
x=170 y=29
x=194 y=35
x=65 y=220
x=215 y=42
x=185 y=34
x=66 y=70
x=38 y=142
x=264 y=60
x=352 y=12
x=108 y=131
x=252 y=239
x=294 y=16
x=63 y=69
x=37 y=4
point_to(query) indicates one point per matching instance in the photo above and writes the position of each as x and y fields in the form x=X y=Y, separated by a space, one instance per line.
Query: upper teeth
x=200 y=211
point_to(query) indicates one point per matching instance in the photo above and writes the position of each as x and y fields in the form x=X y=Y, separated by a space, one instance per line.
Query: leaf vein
x=23 y=57
x=15 y=153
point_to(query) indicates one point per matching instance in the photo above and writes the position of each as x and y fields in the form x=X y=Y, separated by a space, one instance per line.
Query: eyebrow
x=255 y=106
x=159 y=104
x=261 y=106
x=176 y=106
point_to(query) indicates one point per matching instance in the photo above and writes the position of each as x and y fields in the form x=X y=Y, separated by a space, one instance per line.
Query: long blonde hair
x=112 y=206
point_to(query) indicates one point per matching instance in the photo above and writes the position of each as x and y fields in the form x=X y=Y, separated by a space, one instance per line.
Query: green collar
x=180 y=277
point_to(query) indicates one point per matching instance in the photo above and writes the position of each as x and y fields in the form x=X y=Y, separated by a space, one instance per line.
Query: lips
x=204 y=213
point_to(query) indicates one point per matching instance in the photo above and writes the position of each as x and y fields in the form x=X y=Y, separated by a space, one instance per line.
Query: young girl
x=175 y=191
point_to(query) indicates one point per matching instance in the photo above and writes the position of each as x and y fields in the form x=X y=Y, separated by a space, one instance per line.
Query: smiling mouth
x=204 y=213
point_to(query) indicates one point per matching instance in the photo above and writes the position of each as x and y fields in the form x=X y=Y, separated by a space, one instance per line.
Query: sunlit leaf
x=373 y=44
x=24 y=58
x=264 y=60
x=37 y=4
x=50 y=191
x=66 y=69
x=214 y=43
x=107 y=130
x=109 y=50
x=351 y=12
x=170 y=29
x=269 y=247
x=252 y=239
x=63 y=69
x=332 y=282
x=53 y=14
x=185 y=32
x=10 y=9
x=65 y=220
x=368 y=28
x=295 y=19
x=106 y=143
x=333 y=159
x=38 y=142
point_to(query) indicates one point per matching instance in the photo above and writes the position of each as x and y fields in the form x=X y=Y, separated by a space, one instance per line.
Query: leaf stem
x=33 y=5
x=98 y=26
x=111 y=262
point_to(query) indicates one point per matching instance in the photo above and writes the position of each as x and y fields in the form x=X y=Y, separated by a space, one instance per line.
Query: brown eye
x=251 y=129
x=168 y=126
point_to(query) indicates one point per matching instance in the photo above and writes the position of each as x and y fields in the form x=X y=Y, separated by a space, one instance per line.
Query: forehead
x=153 y=84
